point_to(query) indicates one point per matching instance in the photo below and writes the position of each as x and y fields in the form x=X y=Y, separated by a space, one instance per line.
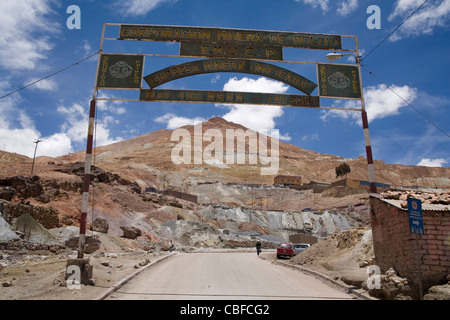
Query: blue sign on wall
x=415 y=216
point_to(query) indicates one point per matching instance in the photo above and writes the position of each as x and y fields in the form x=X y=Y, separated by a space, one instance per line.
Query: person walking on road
x=258 y=247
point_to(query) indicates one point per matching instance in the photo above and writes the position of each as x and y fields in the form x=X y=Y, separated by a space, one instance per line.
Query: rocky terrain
x=139 y=200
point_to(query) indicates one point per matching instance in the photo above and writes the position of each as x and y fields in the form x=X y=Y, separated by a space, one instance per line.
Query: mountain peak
x=221 y=123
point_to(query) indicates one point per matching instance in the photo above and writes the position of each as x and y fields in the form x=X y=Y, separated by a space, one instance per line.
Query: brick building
x=395 y=246
x=288 y=180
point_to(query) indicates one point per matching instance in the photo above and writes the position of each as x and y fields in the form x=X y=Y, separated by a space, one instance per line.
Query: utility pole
x=35 y=148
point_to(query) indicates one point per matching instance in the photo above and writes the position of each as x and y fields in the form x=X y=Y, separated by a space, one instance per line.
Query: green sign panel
x=339 y=81
x=230 y=65
x=231 y=97
x=235 y=36
x=120 y=71
x=217 y=50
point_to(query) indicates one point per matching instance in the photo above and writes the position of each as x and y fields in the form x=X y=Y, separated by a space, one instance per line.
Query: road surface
x=223 y=275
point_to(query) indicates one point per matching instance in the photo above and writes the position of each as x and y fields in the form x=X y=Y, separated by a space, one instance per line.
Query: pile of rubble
x=20 y=244
x=389 y=286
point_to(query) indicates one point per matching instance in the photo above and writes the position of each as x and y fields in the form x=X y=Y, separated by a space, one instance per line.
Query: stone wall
x=395 y=246
x=47 y=217
x=181 y=195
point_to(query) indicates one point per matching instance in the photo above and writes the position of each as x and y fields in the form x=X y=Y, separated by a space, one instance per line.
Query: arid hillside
x=125 y=170
x=149 y=156
x=138 y=187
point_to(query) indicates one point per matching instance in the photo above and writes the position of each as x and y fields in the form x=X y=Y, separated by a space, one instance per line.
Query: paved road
x=221 y=276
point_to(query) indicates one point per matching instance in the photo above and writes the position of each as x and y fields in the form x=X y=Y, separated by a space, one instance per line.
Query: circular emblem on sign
x=120 y=69
x=338 y=80
x=414 y=205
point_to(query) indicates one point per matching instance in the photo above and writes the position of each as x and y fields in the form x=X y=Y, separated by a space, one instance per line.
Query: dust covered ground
x=342 y=256
x=42 y=276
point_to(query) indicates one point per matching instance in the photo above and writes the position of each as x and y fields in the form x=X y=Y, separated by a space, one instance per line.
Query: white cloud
x=284 y=137
x=310 y=137
x=380 y=102
x=255 y=117
x=139 y=7
x=20 y=45
x=173 y=121
x=433 y=15
x=215 y=78
x=87 y=47
x=110 y=105
x=323 y=4
x=21 y=141
x=76 y=126
x=402 y=7
x=18 y=132
x=56 y=145
x=432 y=162
x=408 y=148
x=45 y=85
x=346 y=7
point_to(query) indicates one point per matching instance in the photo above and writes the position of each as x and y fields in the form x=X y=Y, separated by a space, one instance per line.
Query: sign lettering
x=339 y=81
x=216 y=50
x=415 y=216
x=215 y=35
x=120 y=71
x=230 y=97
x=230 y=65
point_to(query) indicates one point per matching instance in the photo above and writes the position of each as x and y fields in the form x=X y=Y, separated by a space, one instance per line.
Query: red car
x=285 y=250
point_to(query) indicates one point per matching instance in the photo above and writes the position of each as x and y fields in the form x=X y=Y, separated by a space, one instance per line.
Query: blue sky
x=414 y=62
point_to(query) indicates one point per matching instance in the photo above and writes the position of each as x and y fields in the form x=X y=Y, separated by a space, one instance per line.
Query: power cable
x=50 y=75
x=409 y=104
x=390 y=34
x=392 y=90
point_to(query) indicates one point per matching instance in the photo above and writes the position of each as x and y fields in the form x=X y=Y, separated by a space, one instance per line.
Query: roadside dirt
x=41 y=277
x=343 y=256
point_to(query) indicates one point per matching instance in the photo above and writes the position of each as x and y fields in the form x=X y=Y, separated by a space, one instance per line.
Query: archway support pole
x=86 y=180
x=365 y=122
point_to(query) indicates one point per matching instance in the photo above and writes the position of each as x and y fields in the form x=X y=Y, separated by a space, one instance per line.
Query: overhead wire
x=50 y=75
x=398 y=27
x=389 y=87
x=404 y=100
x=361 y=59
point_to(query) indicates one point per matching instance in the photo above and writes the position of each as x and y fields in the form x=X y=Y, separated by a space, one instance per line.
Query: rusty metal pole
x=88 y=159
x=86 y=180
